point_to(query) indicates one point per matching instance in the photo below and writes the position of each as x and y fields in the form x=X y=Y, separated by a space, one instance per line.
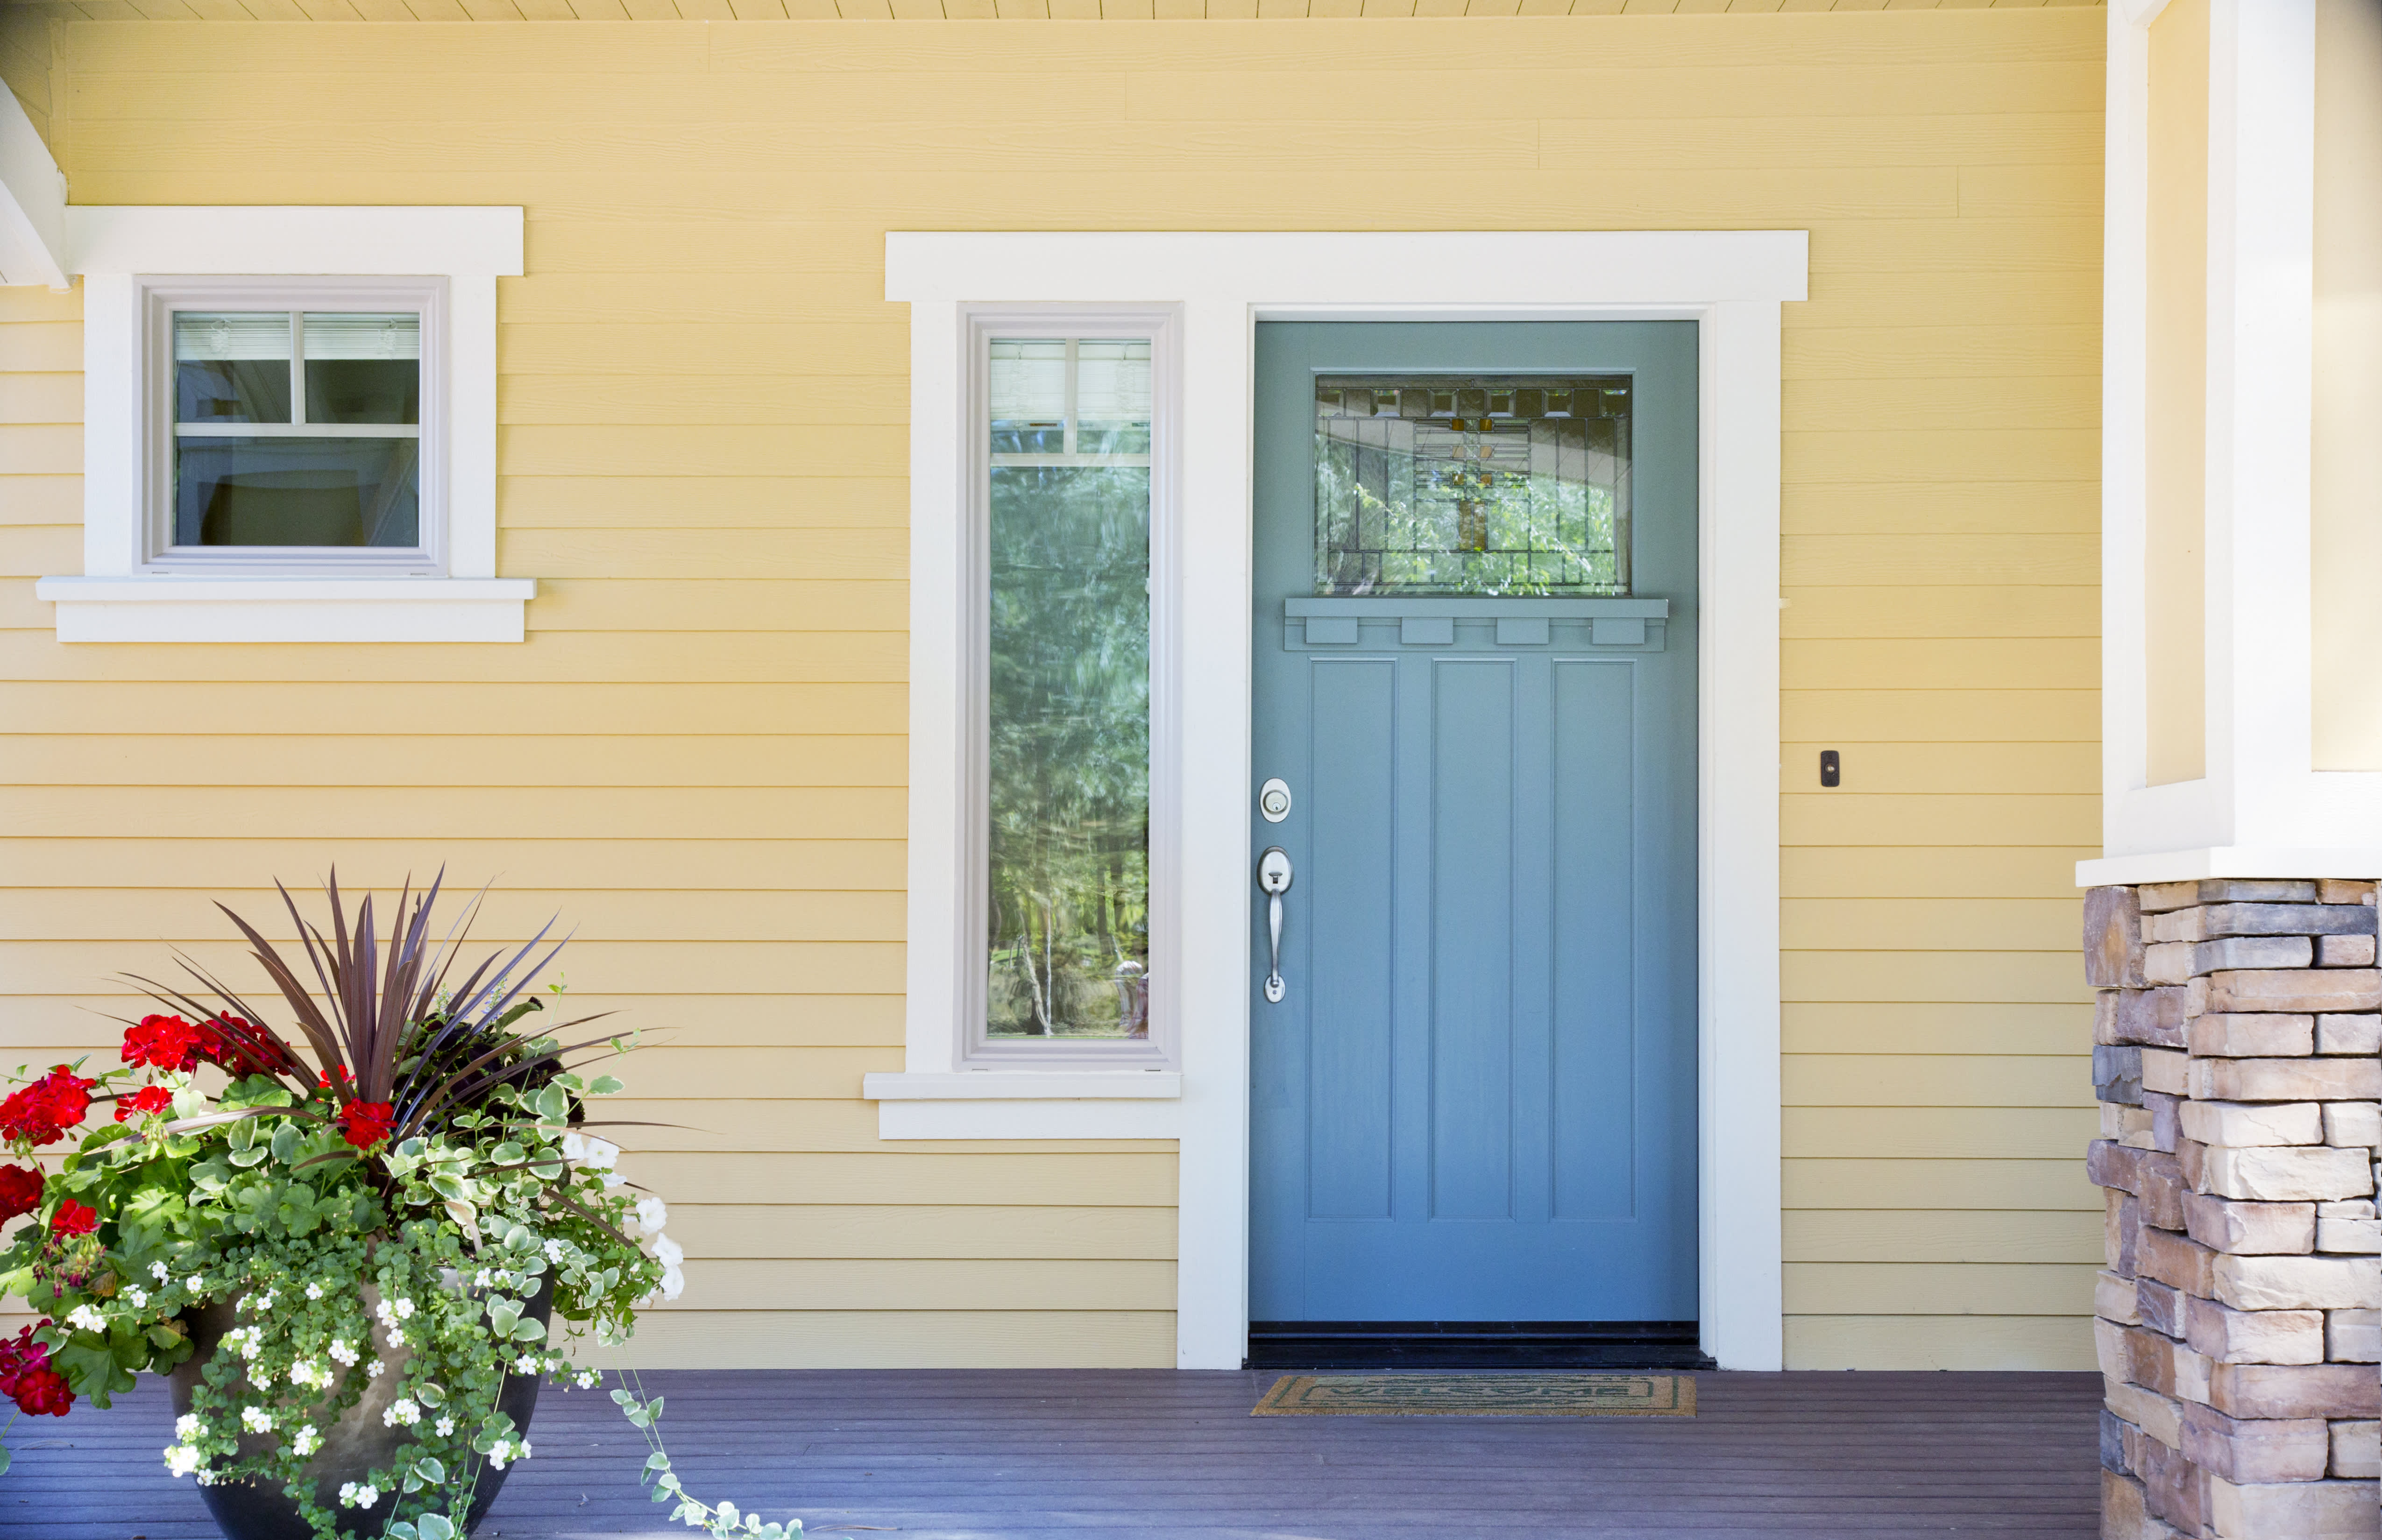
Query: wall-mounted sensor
x=1831 y=768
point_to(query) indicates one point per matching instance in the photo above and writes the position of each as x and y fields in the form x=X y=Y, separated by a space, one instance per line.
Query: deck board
x=1155 y=1455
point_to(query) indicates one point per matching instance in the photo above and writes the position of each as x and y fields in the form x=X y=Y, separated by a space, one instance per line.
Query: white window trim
x=1731 y=282
x=968 y=1050
x=118 y=597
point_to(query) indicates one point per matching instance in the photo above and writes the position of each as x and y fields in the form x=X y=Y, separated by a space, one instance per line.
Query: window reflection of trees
x=1519 y=498
x=1069 y=913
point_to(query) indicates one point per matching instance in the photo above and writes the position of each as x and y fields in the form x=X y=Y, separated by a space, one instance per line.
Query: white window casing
x=1217 y=287
x=138 y=263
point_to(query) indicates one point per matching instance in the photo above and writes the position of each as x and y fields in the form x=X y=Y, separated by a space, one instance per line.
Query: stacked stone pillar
x=2238 y=1059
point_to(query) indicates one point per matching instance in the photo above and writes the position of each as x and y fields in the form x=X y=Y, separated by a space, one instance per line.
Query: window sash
x=297 y=300
x=977 y=1045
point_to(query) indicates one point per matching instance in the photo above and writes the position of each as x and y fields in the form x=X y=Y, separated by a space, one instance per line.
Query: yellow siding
x=699 y=754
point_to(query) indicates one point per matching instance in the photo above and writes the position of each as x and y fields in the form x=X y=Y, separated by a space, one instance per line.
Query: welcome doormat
x=1479 y=1395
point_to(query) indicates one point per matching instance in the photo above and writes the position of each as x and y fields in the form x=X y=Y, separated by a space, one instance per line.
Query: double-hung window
x=290 y=426
x=1066 y=429
x=295 y=429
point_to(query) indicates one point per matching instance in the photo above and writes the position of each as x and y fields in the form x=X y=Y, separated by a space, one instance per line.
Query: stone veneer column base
x=2238 y=1059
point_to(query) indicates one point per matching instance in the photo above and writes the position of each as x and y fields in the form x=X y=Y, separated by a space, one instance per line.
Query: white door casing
x=1732 y=284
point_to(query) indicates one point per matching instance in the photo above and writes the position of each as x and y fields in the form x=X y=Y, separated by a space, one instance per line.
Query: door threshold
x=1610 y=1346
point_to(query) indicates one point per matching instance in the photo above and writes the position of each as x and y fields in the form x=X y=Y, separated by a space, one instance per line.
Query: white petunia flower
x=181 y=1460
x=652 y=1214
x=401 y=1412
x=255 y=1419
x=673 y=1283
x=306 y=1441
x=668 y=1252
x=185 y=1426
x=83 y=1317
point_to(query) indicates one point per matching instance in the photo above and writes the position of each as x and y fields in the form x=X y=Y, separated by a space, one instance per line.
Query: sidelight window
x=1068 y=425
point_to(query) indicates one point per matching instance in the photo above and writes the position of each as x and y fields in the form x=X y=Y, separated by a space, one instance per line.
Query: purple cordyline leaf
x=446 y=1092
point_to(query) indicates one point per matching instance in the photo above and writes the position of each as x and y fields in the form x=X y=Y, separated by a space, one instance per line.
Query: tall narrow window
x=1068 y=514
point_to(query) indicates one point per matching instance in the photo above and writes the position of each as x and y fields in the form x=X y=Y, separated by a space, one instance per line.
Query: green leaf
x=604 y=1085
x=432 y=1395
x=432 y=1470
x=657 y=1462
x=254 y=1154
x=530 y=1331
x=434 y=1526
x=5 y=1457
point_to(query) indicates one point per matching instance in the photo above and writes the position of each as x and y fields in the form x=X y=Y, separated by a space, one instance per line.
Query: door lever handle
x=1273 y=879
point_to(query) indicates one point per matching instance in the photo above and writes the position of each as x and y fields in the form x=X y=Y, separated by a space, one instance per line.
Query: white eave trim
x=33 y=202
x=175 y=608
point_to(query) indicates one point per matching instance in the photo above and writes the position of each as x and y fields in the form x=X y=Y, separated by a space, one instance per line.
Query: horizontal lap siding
x=697 y=758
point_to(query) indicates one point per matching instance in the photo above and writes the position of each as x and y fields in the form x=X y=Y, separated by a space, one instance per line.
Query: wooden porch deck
x=1153 y=1455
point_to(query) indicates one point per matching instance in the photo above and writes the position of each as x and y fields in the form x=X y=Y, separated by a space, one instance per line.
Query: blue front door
x=1474 y=674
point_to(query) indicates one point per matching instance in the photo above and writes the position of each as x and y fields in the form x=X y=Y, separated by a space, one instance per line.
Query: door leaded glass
x=1455 y=485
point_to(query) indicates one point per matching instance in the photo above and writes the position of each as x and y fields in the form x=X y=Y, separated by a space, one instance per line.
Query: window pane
x=363 y=367
x=1453 y=485
x=1069 y=902
x=231 y=366
x=328 y=491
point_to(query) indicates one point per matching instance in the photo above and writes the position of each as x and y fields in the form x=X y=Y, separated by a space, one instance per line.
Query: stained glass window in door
x=1067 y=910
x=1472 y=485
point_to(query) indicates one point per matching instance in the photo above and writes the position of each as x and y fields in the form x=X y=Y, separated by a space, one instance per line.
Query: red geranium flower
x=41 y=1113
x=154 y=1098
x=27 y=1378
x=365 y=1124
x=20 y=1192
x=163 y=1042
x=73 y=1218
x=43 y=1393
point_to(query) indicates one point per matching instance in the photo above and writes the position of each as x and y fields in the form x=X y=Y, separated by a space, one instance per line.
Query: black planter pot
x=352 y=1448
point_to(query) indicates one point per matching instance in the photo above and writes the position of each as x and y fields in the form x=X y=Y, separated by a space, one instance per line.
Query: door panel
x=1476 y=1100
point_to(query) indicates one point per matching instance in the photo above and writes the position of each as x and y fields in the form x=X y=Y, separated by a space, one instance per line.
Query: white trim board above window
x=426 y=278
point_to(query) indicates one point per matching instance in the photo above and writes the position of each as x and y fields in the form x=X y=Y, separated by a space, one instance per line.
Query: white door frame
x=1732 y=284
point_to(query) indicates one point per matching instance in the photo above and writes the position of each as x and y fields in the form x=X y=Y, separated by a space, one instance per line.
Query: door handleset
x=1273 y=878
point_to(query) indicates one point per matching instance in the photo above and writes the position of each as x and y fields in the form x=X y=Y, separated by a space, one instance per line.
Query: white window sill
x=174 y=607
x=1029 y=1103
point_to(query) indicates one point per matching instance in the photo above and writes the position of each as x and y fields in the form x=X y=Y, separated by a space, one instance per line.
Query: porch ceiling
x=929 y=10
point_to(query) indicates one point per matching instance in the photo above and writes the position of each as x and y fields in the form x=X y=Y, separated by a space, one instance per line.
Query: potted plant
x=358 y=1245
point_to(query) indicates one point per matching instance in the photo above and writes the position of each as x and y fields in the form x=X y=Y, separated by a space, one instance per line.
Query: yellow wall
x=2346 y=515
x=698 y=756
x=2176 y=518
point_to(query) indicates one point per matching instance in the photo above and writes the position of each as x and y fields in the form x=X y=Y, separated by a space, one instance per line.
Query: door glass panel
x=1438 y=484
x=1068 y=900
